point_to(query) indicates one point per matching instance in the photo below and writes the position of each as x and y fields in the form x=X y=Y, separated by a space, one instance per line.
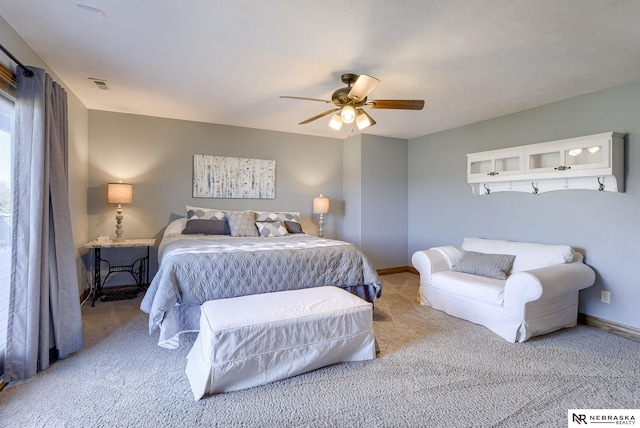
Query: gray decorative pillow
x=490 y=265
x=207 y=227
x=293 y=227
x=204 y=213
x=271 y=229
x=242 y=223
x=275 y=216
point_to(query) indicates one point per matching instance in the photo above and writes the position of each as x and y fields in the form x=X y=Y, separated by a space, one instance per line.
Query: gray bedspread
x=194 y=269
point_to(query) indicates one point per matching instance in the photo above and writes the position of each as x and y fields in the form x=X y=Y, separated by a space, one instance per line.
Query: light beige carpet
x=433 y=371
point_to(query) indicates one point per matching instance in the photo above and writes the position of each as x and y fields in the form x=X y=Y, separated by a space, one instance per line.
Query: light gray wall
x=384 y=200
x=375 y=190
x=78 y=143
x=603 y=225
x=156 y=156
x=365 y=177
x=352 y=189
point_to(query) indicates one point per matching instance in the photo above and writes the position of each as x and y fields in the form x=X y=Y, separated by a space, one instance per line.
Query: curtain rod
x=26 y=71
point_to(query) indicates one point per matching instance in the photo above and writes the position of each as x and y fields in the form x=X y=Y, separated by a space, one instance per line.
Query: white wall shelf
x=592 y=162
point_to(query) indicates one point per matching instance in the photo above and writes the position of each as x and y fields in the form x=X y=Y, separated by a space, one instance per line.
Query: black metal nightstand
x=139 y=269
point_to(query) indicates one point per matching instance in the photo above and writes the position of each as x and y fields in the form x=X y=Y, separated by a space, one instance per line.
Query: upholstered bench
x=253 y=340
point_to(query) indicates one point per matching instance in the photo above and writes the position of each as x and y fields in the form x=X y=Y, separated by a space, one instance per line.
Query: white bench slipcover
x=253 y=340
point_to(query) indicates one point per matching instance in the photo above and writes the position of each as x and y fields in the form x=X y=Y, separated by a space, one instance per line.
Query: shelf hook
x=535 y=189
x=600 y=185
x=487 y=191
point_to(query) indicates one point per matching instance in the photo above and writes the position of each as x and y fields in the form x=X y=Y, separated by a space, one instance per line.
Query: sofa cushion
x=528 y=255
x=495 y=266
x=474 y=287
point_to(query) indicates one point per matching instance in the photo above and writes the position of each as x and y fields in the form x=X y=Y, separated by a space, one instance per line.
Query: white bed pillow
x=528 y=255
x=242 y=223
x=175 y=226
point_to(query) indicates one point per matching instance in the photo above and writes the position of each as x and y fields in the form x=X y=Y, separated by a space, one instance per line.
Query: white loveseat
x=538 y=296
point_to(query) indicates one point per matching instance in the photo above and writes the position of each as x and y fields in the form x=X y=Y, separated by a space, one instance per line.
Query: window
x=6 y=171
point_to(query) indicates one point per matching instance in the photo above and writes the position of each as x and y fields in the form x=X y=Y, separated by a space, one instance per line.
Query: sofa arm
x=437 y=259
x=547 y=283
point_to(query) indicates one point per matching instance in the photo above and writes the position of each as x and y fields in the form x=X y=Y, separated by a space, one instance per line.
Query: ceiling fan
x=351 y=100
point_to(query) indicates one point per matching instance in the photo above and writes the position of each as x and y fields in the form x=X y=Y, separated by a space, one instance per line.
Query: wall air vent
x=100 y=83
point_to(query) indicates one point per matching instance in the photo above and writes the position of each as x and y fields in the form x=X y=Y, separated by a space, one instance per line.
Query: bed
x=278 y=255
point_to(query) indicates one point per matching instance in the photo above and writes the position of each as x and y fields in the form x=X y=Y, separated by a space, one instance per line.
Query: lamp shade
x=336 y=122
x=363 y=120
x=119 y=193
x=348 y=114
x=321 y=205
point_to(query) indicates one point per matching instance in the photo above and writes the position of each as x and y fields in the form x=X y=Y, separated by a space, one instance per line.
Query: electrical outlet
x=605 y=296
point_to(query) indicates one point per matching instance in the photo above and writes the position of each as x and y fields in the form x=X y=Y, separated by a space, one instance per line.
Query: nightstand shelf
x=139 y=270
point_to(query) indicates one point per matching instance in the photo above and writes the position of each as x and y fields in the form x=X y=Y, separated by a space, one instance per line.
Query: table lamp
x=321 y=206
x=119 y=193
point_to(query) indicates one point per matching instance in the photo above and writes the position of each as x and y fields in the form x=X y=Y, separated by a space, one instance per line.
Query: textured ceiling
x=228 y=62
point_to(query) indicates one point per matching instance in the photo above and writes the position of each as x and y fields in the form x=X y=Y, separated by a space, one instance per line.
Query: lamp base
x=321 y=226
x=119 y=218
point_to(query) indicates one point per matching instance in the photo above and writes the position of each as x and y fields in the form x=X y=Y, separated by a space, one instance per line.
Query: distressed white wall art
x=233 y=178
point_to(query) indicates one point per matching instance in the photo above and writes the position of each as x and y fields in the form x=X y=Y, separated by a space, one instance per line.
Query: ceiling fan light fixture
x=348 y=114
x=336 y=122
x=363 y=120
x=348 y=103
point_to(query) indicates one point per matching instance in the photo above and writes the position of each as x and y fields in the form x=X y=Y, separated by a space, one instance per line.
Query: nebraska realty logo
x=581 y=417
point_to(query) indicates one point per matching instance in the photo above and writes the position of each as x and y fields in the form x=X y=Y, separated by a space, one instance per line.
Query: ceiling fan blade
x=363 y=86
x=311 y=119
x=306 y=99
x=397 y=104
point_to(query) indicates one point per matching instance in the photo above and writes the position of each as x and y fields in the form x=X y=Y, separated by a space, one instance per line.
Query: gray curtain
x=44 y=307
